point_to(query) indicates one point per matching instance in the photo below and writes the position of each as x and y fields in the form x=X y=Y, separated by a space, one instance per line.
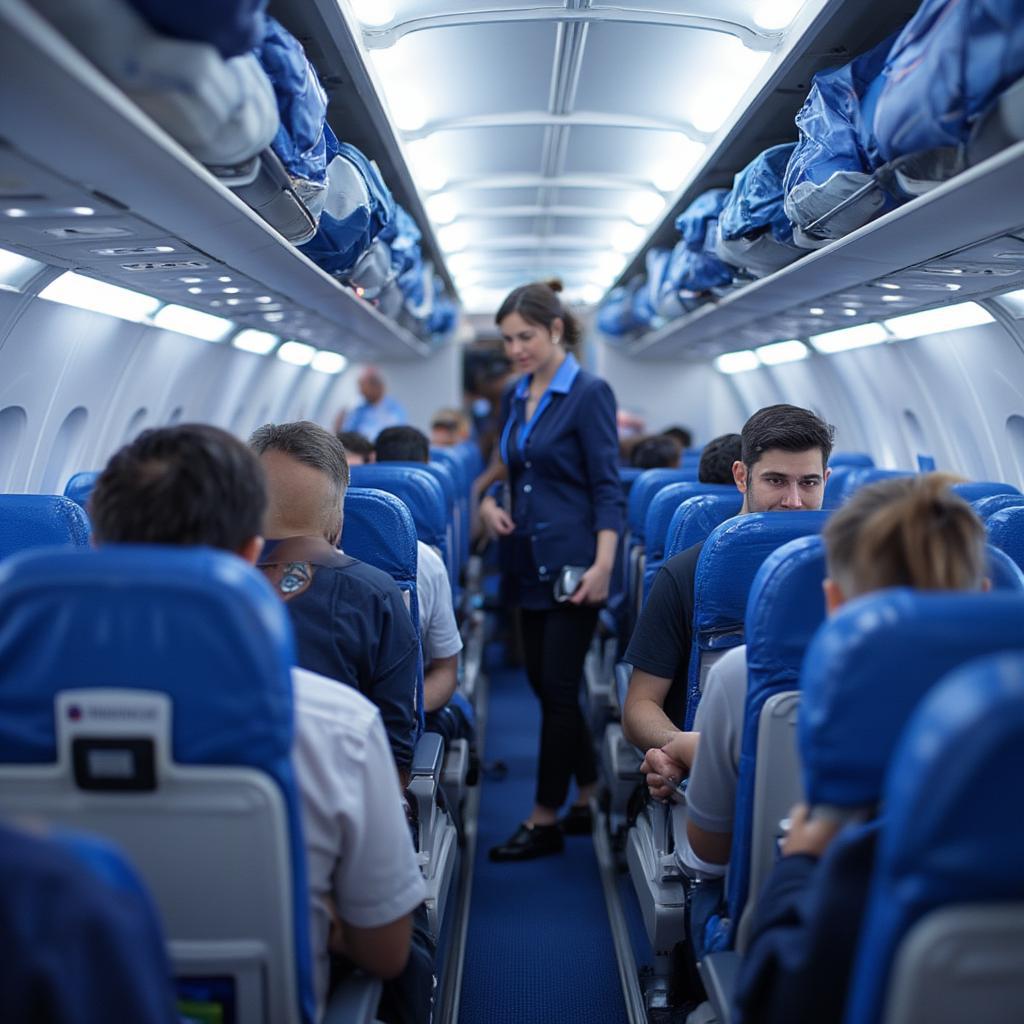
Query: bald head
x=307 y=475
x=371 y=385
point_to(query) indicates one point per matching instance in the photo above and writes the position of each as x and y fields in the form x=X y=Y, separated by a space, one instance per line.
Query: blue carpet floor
x=539 y=949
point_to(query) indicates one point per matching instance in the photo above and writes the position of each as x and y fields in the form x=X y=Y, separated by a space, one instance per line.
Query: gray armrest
x=428 y=756
x=719 y=972
x=354 y=1001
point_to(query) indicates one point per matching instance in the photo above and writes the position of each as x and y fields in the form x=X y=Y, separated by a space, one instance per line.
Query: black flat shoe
x=528 y=842
x=578 y=821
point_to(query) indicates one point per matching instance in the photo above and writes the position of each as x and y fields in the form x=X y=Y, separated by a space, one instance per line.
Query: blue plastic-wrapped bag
x=403 y=235
x=358 y=206
x=234 y=27
x=948 y=64
x=754 y=233
x=615 y=317
x=646 y=297
x=444 y=314
x=692 y=223
x=836 y=154
x=693 y=266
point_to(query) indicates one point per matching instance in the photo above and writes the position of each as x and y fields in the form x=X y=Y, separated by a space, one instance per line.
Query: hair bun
x=554 y=283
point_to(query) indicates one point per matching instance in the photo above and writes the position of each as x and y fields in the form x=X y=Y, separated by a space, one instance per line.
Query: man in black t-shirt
x=782 y=468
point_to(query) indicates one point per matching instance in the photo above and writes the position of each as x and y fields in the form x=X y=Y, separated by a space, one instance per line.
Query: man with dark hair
x=717 y=459
x=358 y=447
x=656 y=452
x=784 y=454
x=680 y=434
x=193 y=484
x=350 y=619
x=402 y=444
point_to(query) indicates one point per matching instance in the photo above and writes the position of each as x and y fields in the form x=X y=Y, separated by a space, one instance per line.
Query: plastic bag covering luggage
x=947 y=65
x=673 y=302
x=754 y=232
x=301 y=141
x=645 y=299
x=373 y=271
x=403 y=236
x=222 y=111
x=357 y=208
x=836 y=154
x=616 y=317
x=693 y=266
x=443 y=315
x=234 y=27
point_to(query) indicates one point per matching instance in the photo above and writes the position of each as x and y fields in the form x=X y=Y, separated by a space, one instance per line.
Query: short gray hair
x=305 y=442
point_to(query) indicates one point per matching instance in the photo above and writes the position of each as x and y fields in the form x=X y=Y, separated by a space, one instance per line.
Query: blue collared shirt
x=370 y=420
x=563 y=473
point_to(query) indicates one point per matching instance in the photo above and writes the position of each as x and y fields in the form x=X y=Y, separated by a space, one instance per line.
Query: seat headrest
x=853 y=479
x=647 y=483
x=696 y=517
x=417 y=488
x=378 y=529
x=853 y=459
x=456 y=460
x=1002 y=570
x=663 y=507
x=1006 y=531
x=975 y=490
x=949 y=834
x=200 y=625
x=40 y=520
x=867 y=669
x=80 y=486
x=984 y=507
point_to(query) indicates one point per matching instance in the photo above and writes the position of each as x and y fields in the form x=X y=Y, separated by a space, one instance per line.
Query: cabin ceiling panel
x=490 y=151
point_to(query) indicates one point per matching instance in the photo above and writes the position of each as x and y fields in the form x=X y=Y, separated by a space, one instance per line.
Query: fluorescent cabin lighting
x=627 y=237
x=773 y=15
x=86 y=293
x=737 y=362
x=782 y=352
x=441 y=208
x=204 y=326
x=644 y=207
x=426 y=166
x=1013 y=302
x=849 y=337
x=16 y=270
x=453 y=238
x=938 y=321
x=671 y=172
x=710 y=109
x=259 y=342
x=297 y=353
x=591 y=293
x=374 y=13
x=329 y=362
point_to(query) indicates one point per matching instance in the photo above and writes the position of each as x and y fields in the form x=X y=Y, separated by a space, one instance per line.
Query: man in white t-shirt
x=195 y=484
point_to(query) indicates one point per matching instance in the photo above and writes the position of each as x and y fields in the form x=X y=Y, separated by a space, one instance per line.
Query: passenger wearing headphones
x=195 y=484
x=905 y=532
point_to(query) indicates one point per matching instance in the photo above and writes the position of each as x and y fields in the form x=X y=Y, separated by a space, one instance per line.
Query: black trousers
x=555 y=643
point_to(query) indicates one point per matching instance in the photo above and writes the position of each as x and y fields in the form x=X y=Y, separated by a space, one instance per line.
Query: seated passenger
x=717 y=459
x=350 y=619
x=195 y=484
x=907 y=532
x=438 y=630
x=80 y=947
x=358 y=447
x=680 y=435
x=377 y=410
x=449 y=427
x=782 y=468
x=656 y=452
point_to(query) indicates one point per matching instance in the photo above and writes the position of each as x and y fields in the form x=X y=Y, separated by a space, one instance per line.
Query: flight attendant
x=559 y=538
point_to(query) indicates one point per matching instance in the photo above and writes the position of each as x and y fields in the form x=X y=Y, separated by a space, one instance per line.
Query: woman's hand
x=594 y=584
x=808 y=835
x=495 y=518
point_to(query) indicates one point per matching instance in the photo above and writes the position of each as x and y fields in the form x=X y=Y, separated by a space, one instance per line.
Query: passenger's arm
x=644 y=721
x=382 y=951
x=439 y=682
x=714 y=847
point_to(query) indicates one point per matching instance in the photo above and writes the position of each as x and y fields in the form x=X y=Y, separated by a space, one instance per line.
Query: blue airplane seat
x=785 y=607
x=853 y=459
x=945 y=906
x=728 y=563
x=836 y=485
x=696 y=517
x=109 y=722
x=1003 y=572
x=41 y=520
x=627 y=477
x=975 y=490
x=985 y=507
x=470 y=451
x=660 y=514
x=422 y=494
x=1006 y=532
x=79 y=487
x=836 y=493
x=457 y=461
x=645 y=486
x=691 y=457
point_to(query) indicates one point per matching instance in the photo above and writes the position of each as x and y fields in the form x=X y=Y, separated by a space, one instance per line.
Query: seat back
x=627 y=477
x=985 y=507
x=1006 y=531
x=695 y=518
x=178 y=751
x=944 y=929
x=728 y=563
x=79 y=487
x=853 y=459
x=458 y=461
x=975 y=490
x=40 y=520
x=421 y=493
x=845 y=481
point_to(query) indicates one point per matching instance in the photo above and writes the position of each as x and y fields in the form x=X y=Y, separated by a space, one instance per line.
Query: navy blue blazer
x=563 y=471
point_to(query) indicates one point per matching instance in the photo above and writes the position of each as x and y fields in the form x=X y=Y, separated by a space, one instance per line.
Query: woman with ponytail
x=559 y=536
x=907 y=532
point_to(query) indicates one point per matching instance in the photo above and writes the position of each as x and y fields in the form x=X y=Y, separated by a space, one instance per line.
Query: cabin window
x=916 y=441
x=135 y=424
x=12 y=429
x=64 y=453
x=176 y=413
x=15 y=272
x=1015 y=435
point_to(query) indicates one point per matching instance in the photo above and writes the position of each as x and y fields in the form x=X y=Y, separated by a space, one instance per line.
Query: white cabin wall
x=425 y=385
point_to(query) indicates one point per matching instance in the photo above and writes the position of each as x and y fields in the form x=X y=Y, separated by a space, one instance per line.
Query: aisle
x=539 y=950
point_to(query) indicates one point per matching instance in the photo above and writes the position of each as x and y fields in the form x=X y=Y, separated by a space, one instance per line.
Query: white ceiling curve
x=550 y=138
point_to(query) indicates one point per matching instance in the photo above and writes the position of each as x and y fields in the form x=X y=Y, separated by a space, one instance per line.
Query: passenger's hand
x=808 y=835
x=682 y=748
x=594 y=585
x=495 y=518
x=663 y=773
